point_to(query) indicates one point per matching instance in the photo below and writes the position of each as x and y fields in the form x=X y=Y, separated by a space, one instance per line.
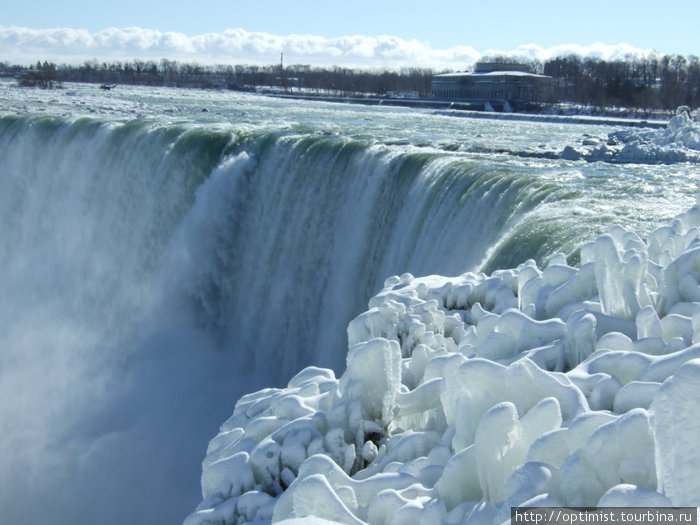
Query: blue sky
x=481 y=27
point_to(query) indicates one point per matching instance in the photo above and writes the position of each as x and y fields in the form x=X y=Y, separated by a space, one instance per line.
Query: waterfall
x=152 y=272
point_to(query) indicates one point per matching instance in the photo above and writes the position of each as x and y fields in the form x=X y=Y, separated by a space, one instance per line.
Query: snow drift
x=464 y=396
x=679 y=142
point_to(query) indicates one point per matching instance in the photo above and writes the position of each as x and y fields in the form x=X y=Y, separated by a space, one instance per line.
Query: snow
x=464 y=396
x=677 y=427
x=679 y=142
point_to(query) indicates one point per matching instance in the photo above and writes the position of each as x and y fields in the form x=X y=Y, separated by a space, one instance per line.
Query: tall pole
x=283 y=84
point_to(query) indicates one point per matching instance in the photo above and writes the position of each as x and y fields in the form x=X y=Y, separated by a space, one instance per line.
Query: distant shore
x=563 y=113
x=463 y=109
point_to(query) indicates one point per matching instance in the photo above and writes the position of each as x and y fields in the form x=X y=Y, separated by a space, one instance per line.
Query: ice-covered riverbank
x=678 y=142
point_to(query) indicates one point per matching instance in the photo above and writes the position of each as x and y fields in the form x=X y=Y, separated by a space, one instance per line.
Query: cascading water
x=136 y=252
x=153 y=271
x=287 y=239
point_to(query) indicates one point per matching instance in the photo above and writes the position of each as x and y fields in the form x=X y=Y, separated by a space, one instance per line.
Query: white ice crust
x=679 y=142
x=464 y=396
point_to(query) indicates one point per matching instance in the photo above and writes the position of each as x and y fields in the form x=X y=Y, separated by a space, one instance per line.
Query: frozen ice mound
x=679 y=142
x=464 y=396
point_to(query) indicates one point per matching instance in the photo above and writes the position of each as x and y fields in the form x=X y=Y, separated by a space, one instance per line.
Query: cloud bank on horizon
x=237 y=46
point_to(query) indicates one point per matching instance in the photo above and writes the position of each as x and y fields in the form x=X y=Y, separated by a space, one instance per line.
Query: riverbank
x=549 y=113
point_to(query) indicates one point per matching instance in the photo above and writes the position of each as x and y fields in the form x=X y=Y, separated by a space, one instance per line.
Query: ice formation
x=468 y=395
x=679 y=142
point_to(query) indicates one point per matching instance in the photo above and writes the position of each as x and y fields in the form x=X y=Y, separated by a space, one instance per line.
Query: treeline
x=636 y=82
x=43 y=76
x=332 y=81
x=648 y=82
x=645 y=82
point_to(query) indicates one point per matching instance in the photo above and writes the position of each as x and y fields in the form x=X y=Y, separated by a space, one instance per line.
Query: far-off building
x=494 y=86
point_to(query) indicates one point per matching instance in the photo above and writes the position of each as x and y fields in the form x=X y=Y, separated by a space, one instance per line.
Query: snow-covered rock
x=464 y=396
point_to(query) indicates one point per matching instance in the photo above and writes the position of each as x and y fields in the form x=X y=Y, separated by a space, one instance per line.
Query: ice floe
x=679 y=142
x=464 y=396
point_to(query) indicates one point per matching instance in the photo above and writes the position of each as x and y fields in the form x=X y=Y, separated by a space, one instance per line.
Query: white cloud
x=238 y=46
x=596 y=50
